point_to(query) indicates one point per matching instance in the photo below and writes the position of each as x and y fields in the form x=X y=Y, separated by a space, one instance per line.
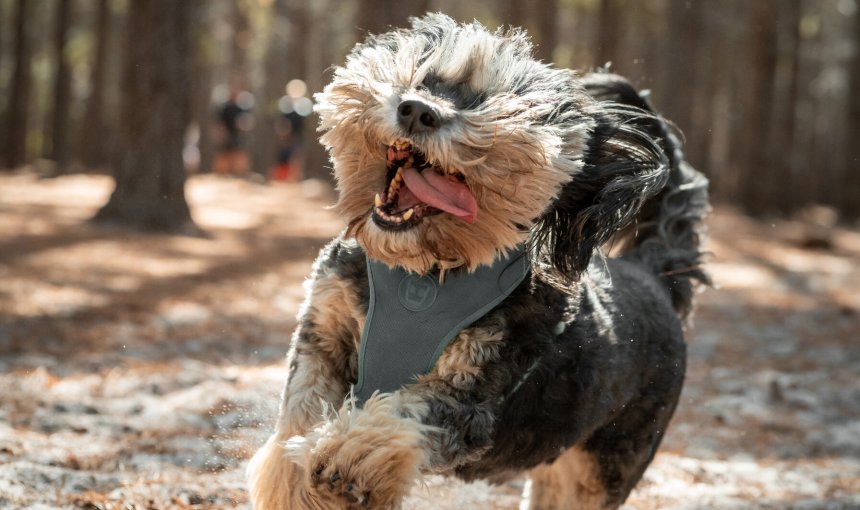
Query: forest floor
x=141 y=371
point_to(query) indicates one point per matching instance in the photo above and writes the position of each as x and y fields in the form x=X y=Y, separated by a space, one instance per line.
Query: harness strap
x=412 y=318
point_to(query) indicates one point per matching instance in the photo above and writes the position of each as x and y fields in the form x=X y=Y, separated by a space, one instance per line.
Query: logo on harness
x=411 y=318
x=417 y=293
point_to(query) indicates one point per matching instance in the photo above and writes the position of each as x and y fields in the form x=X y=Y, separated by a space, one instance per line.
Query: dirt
x=141 y=371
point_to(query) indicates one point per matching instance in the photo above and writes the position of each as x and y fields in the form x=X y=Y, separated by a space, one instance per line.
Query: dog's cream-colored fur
x=373 y=451
x=487 y=144
x=521 y=151
x=569 y=482
x=377 y=446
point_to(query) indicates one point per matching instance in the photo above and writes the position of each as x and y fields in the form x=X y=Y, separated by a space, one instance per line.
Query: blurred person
x=294 y=108
x=234 y=119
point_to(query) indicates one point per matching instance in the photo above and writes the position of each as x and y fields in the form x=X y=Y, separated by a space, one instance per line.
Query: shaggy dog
x=460 y=160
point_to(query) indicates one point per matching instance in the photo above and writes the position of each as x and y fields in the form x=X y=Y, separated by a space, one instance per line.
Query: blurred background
x=163 y=195
x=765 y=90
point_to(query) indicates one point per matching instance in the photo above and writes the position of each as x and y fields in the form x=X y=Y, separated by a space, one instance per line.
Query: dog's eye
x=460 y=93
x=475 y=100
x=465 y=98
x=430 y=81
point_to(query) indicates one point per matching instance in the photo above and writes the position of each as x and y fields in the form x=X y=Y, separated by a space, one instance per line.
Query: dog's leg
x=275 y=481
x=601 y=474
x=569 y=482
x=372 y=456
x=364 y=458
x=322 y=350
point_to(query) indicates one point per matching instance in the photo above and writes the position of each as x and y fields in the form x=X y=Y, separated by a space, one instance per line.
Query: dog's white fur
x=489 y=144
x=516 y=148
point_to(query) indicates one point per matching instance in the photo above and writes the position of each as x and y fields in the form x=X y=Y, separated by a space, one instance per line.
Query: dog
x=493 y=183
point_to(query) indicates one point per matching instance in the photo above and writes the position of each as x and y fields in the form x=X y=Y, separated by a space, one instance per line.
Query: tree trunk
x=150 y=176
x=781 y=146
x=93 y=151
x=546 y=12
x=681 y=52
x=277 y=71
x=758 y=180
x=19 y=98
x=609 y=21
x=300 y=13
x=239 y=45
x=59 y=152
x=732 y=105
x=4 y=92
x=377 y=16
x=514 y=13
x=204 y=68
x=851 y=191
x=316 y=74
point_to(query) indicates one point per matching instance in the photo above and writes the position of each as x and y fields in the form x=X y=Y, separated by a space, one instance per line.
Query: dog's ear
x=625 y=164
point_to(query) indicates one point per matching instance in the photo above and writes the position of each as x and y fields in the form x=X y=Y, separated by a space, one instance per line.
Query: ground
x=141 y=371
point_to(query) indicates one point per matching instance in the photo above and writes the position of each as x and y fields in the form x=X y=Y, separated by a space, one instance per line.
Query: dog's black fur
x=592 y=353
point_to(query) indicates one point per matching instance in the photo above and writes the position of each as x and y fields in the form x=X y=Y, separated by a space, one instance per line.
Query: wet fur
x=574 y=377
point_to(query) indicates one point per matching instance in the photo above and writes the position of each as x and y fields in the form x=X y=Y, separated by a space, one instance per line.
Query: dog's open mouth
x=415 y=189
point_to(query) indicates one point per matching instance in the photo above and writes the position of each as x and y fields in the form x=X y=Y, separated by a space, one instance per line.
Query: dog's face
x=450 y=142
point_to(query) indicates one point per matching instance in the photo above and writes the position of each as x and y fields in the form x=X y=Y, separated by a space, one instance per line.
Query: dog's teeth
x=408 y=214
x=377 y=200
x=400 y=143
x=398 y=176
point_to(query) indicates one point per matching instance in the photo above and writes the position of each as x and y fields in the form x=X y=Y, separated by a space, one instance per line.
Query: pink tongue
x=442 y=193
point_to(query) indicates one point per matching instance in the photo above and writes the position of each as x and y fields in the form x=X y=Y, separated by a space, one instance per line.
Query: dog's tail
x=666 y=233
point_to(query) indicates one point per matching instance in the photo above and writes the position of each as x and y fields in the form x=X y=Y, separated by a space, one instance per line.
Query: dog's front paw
x=365 y=458
x=344 y=490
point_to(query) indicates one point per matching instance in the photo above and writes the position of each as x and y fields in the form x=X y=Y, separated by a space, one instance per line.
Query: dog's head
x=451 y=145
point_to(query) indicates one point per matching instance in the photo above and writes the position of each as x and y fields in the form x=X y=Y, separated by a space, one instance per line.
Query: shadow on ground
x=144 y=369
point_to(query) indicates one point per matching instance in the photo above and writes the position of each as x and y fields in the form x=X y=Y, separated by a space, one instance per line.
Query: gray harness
x=412 y=318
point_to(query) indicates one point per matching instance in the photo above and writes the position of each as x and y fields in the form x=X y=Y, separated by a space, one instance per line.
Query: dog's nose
x=417 y=116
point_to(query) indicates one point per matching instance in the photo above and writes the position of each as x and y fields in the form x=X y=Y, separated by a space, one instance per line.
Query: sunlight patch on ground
x=48 y=298
x=677 y=482
x=741 y=276
x=142 y=369
x=214 y=218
